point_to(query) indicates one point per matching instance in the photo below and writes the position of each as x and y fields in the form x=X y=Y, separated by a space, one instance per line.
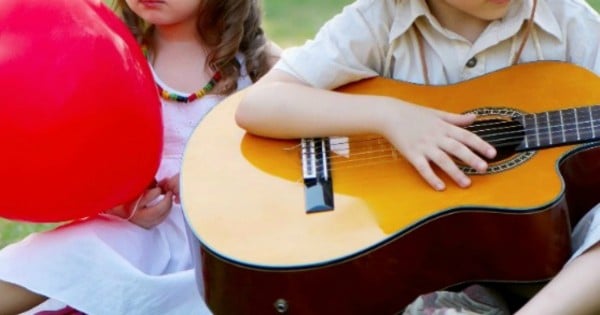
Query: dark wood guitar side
x=390 y=237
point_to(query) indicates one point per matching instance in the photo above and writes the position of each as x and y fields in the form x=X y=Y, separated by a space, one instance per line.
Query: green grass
x=12 y=231
x=287 y=22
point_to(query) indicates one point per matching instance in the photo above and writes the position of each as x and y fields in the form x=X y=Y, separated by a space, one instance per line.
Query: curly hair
x=226 y=27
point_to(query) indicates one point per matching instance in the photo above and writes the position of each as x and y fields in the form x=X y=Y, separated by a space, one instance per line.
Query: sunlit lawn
x=287 y=22
x=10 y=231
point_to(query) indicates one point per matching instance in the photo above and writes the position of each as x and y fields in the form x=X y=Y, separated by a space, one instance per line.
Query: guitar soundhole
x=499 y=127
x=504 y=135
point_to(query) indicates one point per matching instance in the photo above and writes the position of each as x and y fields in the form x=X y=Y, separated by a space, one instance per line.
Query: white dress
x=107 y=265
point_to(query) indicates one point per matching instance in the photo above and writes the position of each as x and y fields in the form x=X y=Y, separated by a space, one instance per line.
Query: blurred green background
x=287 y=22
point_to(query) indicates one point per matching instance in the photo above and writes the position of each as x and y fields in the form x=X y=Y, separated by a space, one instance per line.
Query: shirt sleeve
x=350 y=47
x=583 y=42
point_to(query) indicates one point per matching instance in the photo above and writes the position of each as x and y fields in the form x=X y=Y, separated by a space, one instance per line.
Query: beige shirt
x=377 y=38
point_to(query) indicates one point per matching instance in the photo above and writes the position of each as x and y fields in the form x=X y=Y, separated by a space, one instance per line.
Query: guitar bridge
x=318 y=186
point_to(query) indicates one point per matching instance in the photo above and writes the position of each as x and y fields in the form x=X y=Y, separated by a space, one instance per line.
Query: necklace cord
x=528 y=28
x=184 y=98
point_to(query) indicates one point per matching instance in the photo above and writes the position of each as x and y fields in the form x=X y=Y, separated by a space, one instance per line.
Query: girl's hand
x=153 y=209
x=148 y=210
x=171 y=184
x=426 y=136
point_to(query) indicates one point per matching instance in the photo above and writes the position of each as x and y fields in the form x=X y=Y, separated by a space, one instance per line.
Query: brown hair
x=226 y=27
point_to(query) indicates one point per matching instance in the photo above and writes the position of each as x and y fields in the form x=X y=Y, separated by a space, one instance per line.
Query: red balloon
x=80 y=118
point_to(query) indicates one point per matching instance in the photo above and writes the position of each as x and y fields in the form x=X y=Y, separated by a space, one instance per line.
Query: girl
x=428 y=42
x=139 y=262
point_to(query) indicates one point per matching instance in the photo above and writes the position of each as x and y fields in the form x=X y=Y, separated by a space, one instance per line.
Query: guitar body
x=390 y=237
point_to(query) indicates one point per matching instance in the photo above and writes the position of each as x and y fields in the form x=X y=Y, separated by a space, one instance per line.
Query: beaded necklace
x=182 y=98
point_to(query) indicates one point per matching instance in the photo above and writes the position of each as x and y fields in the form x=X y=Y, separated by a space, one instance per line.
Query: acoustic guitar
x=345 y=225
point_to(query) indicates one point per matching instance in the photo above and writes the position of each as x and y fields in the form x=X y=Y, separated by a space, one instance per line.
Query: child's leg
x=573 y=291
x=15 y=299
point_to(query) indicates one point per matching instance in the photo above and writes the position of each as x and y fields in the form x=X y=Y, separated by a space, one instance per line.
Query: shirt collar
x=406 y=13
x=410 y=10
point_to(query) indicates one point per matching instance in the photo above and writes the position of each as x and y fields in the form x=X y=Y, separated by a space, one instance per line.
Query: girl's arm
x=281 y=106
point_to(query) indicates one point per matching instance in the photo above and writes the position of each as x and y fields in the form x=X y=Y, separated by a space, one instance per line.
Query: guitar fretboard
x=561 y=127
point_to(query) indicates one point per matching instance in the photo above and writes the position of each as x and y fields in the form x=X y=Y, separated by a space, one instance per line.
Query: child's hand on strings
x=426 y=136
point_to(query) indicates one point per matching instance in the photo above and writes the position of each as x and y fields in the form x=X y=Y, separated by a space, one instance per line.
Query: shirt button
x=472 y=62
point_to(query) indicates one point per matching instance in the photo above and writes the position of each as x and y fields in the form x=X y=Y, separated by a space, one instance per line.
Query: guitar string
x=555 y=120
x=356 y=163
x=551 y=132
x=512 y=135
x=362 y=159
x=551 y=121
x=391 y=154
x=385 y=154
x=591 y=111
x=519 y=133
x=341 y=146
x=507 y=124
